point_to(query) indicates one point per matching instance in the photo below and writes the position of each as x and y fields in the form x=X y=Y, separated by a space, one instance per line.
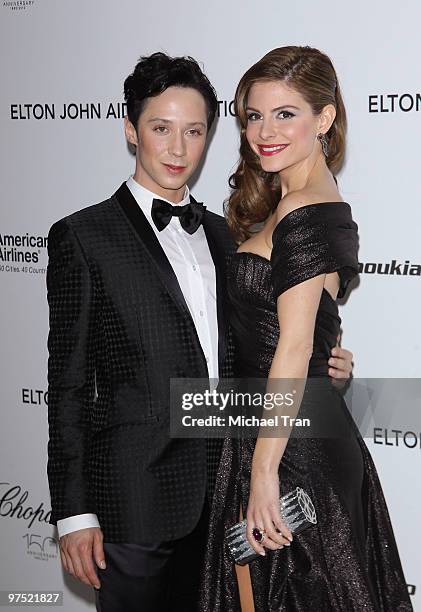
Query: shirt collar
x=144 y=197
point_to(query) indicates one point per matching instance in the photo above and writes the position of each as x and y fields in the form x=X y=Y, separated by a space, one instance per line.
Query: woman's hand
x=263 y=512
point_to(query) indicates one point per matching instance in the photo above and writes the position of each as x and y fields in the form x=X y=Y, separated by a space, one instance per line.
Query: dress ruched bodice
x=311 y=240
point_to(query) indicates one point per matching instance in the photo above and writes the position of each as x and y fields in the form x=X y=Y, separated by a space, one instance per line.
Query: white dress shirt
x=193 y=266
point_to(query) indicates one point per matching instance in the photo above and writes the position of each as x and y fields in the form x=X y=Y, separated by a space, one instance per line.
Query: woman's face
x=281 y=127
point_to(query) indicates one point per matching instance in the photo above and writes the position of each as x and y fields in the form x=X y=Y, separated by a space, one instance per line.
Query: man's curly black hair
x=153 y=74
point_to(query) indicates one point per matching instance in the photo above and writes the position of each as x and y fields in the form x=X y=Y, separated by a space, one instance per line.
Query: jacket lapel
x=147 y=237
x=218 y=256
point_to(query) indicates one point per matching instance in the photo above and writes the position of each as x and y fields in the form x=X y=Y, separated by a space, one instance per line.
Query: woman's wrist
x=266 y=468
x=267 y=456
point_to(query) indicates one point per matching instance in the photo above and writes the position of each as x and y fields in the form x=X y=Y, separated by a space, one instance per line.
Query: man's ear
x=326 y=118
x=130 y=131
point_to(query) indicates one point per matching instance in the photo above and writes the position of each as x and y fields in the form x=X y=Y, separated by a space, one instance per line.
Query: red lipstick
x=273 y=149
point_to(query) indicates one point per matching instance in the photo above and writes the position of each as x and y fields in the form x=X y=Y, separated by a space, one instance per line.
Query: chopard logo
x=13 y=505
x=392 y=268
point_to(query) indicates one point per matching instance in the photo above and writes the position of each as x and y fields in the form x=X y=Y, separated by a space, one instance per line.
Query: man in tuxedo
x=136 y=290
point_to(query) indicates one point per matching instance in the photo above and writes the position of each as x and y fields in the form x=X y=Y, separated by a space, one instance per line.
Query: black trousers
x=155 y=576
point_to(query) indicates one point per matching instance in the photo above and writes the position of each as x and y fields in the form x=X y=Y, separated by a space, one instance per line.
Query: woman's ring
x=259 y=535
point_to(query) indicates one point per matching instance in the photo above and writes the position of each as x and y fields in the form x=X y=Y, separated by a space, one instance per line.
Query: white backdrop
x=75 y=54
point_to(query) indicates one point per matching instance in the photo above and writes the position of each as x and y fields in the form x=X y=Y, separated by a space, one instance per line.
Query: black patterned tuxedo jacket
x=119 y=330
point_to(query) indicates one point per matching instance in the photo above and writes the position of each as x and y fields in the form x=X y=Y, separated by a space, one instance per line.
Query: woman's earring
x=324 y=142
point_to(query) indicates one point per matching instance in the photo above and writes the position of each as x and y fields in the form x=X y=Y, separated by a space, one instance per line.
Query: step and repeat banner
x=62 y=147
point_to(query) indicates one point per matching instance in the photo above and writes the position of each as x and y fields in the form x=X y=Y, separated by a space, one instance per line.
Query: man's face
x=170 y=139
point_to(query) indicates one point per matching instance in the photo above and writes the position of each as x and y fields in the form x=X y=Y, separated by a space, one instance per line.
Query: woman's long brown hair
x=256 y=193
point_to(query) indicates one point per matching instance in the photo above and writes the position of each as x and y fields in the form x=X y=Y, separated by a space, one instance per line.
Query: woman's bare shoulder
x=302 y=198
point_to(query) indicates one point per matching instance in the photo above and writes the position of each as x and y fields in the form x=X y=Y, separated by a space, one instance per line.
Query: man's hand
x=340 y=364
x=79 y=550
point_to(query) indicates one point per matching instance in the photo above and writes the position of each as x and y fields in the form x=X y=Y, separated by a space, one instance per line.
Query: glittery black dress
x=349 y=561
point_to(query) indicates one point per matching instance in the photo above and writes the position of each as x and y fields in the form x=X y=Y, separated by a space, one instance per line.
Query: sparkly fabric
x=349 y=561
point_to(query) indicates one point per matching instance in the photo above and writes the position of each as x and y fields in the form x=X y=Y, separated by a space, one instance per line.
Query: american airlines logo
x=21 y=248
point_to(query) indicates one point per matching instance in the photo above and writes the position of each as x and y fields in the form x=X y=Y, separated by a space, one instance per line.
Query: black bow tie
x=190 y=214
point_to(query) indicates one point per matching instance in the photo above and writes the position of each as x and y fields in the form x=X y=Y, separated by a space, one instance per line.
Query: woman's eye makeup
x=252 y=116
x=283 y=114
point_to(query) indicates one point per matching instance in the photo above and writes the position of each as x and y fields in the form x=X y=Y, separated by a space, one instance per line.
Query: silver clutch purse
x=297 y=512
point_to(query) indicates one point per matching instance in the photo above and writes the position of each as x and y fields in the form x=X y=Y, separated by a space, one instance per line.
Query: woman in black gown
x=286 y=276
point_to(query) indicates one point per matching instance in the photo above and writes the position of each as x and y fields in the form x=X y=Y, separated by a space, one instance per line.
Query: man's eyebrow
x=167 y=122
x=159 y=119
x=278 y=108
x=197 y=123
